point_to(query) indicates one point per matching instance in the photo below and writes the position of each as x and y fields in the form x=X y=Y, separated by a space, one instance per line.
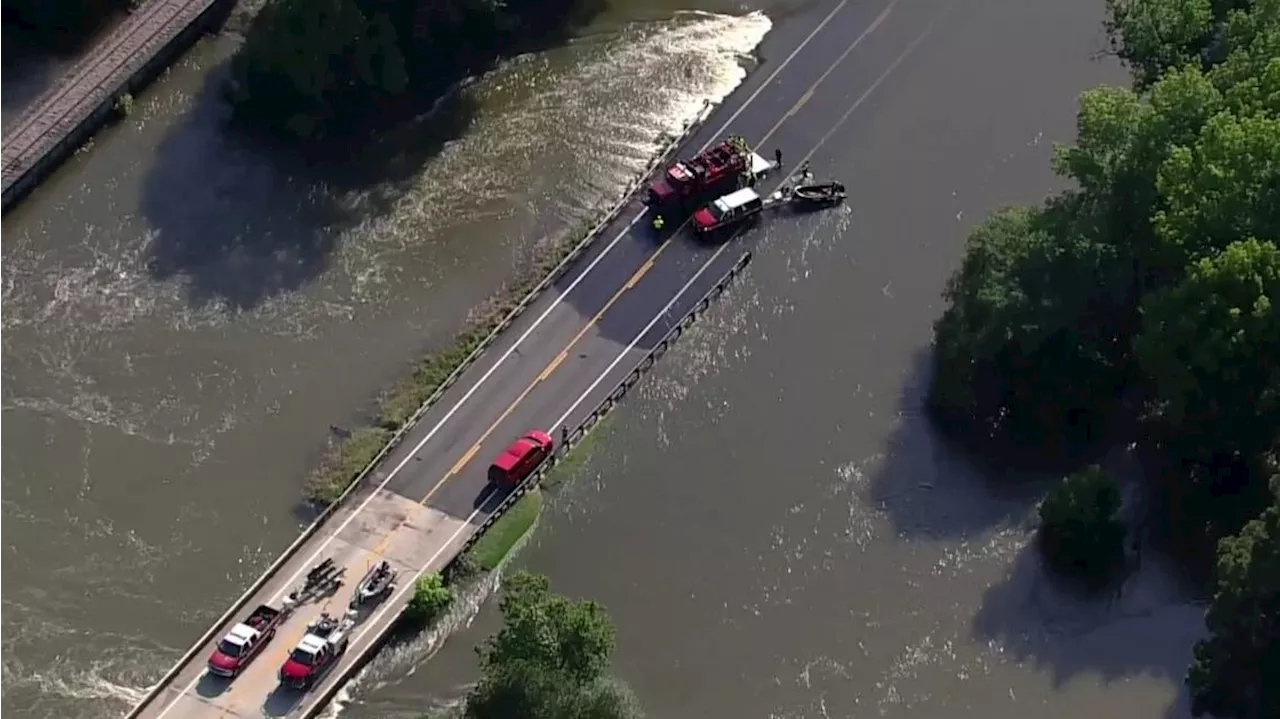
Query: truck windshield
x=230 y=648
x=718 y=210
x=303 y=658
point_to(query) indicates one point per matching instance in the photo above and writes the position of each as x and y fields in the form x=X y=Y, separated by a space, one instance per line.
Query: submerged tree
x=1020 y=357
x=329 y=67
x=1080 y=528
x=550 y=660
x=1235 y=672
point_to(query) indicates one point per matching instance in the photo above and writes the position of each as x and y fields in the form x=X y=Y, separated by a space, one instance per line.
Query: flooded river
x=774 y=524
x=771 y=521
x=185 y=317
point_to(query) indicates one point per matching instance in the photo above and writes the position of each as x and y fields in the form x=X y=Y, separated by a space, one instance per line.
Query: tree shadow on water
x=240 y=218
x=931 y=485
x=1143 y=625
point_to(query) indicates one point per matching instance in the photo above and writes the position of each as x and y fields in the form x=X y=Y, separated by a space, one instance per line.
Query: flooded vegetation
x=774 y=521
x=179 y=303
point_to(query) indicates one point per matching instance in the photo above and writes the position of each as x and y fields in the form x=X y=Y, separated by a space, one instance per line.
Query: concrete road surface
x=567 y=351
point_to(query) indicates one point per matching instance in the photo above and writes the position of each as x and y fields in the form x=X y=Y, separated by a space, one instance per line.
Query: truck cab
x=731 y=210
x=312 y=658
x=722 y=167
x=244 y=641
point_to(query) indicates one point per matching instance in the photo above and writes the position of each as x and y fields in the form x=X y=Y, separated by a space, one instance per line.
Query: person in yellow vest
x=658 y=222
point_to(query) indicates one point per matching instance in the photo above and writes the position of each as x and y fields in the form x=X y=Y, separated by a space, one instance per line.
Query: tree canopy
x=1235 y=669
x=317 y=68
x=1080 y=529
x=550 y=660
x=1155 y=284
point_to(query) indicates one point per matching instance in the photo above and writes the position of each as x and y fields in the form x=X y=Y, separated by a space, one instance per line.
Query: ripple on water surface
x=185 y=315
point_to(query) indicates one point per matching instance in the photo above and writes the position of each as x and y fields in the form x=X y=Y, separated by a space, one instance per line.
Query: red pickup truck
x=245 y=641
x=520 y=459
x=316 y=653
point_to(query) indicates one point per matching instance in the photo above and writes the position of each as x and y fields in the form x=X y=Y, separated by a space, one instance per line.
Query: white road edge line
x=555 y=303
x=627 y=350
x=812 y=151
x=386 y=606
x=547 y=312
x=657 y=317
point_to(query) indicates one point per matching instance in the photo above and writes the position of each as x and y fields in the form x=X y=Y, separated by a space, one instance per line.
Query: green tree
x=1080 y=529
x=1211 y=346
x=1157 y=277
x=550 y=660
x=278 y=76
x=1155 y=35
x=330 y=67
x=1234 y=675
x=1016 y=355
x=1224 y=188
x=431 y=599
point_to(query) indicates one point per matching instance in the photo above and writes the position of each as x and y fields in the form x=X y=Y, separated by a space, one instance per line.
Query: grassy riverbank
x=489 y=551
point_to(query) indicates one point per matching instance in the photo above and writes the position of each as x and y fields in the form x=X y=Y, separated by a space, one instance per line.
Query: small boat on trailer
x=820 y=194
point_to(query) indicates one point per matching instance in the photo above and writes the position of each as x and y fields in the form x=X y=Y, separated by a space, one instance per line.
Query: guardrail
x=620 y=390
x=555 y=274
x=606 y=406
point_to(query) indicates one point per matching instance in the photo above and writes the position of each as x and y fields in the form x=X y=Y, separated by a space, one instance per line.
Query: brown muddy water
x=185 y=316
x=773 y=523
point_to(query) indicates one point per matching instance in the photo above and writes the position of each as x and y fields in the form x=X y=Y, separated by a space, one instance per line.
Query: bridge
x=566 y=356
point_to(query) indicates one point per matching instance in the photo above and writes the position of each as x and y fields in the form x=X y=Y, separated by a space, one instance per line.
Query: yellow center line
x=281 y=649
x=635 y=278
x=386 y=539
x=549 y=369
x=629 y=284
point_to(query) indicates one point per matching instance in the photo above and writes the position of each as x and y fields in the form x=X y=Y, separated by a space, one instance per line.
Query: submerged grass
x=489 y=551
x=346 y=459
x=344 y=462
x=571 y=464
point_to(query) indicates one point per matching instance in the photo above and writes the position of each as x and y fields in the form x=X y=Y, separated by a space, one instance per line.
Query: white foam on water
x=87 y=326
x=557 y=137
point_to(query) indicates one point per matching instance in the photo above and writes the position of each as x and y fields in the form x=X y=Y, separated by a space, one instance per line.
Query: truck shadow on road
x=281 y=701
x=212 y=686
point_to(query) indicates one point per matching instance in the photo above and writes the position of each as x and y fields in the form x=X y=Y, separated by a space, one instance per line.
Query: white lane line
x=368 y=627
x=812 y=151
x=658 y=317
x=775 y=72
x=555 y=303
